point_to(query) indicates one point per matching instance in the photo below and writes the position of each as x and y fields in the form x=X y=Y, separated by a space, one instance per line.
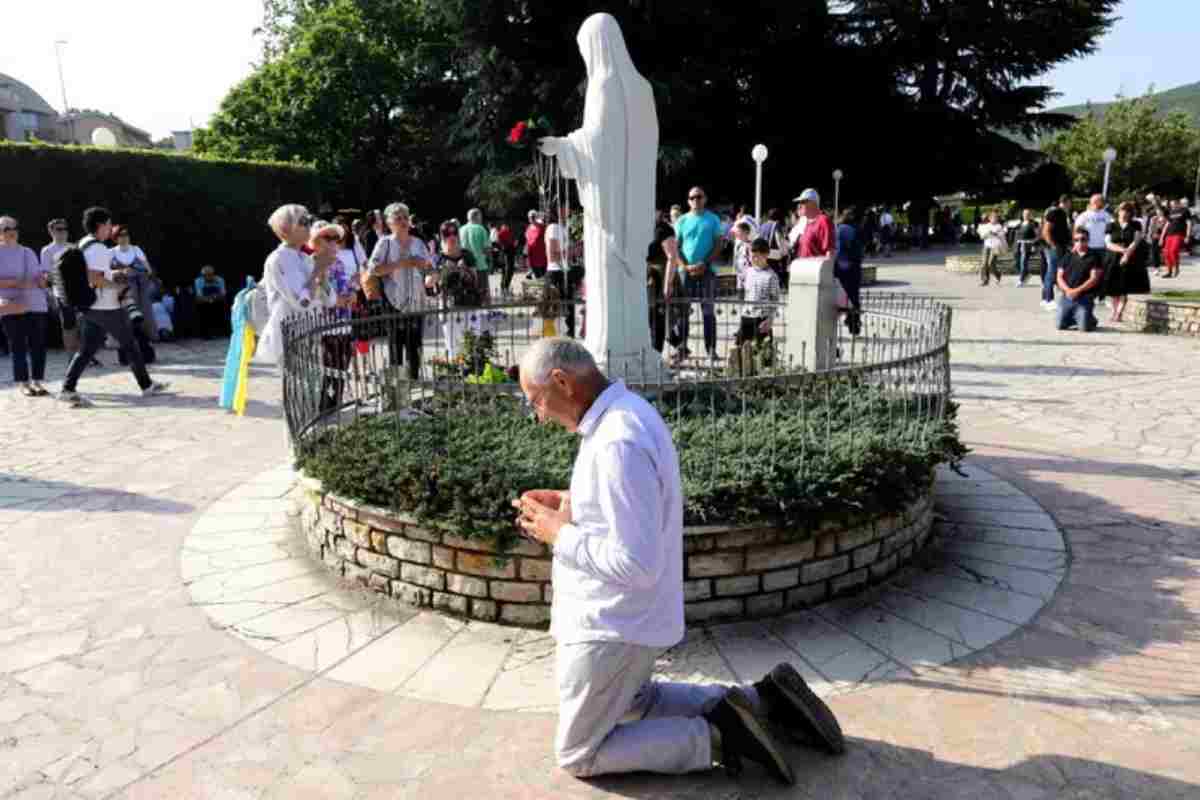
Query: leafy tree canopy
x=903 y=95
x=1153 y=151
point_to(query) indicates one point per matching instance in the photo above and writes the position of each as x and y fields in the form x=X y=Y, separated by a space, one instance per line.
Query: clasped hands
x=541 y=513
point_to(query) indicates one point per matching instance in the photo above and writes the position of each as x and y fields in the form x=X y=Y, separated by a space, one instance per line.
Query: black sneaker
x=794 y=707
x=744 y=734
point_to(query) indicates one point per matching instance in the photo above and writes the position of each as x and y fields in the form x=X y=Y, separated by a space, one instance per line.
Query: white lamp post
x=759 y=154
x=62 y=82
x=837 y=190
x=1110 y=155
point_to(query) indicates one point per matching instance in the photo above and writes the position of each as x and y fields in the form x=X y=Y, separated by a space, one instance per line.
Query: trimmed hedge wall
x=185 y=211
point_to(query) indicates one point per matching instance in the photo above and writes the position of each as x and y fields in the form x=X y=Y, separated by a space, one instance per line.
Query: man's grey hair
x=475 y=216
x=283 y=218
x=8 y=222
x=550 y=354
x=533 y=215
x=396 y=210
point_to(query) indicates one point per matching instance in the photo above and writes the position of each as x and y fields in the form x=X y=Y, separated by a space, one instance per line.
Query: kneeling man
x=617 y=538
x=1079 y=277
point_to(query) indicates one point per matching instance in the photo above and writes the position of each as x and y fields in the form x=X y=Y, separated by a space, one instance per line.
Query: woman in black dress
x=1125 y=268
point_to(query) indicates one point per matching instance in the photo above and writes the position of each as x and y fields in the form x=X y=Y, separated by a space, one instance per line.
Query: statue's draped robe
x=613 y=159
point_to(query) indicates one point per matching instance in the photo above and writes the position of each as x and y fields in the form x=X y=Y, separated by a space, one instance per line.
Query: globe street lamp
x=837 y=187
x=1110 y=155
x=759 y=154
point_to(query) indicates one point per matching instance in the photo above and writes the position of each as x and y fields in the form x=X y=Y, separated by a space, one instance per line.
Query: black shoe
x=744 y=734
x=794 y=707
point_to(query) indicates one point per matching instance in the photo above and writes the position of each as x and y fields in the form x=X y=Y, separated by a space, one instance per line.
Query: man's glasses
x=305 y=221
x=695 y=197
x=9 y=230
x=1081 y=239
x=59 y=230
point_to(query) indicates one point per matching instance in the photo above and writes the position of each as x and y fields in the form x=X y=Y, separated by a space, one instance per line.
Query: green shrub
x=789 y=460
x=185 y=211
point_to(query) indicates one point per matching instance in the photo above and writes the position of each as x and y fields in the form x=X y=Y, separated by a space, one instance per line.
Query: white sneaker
x=156 y=388
x=1020 y=282
x=1049 y=305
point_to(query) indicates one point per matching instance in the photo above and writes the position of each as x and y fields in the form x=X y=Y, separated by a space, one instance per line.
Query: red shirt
x=535 y=245
x=817 y=240
x=505 y=237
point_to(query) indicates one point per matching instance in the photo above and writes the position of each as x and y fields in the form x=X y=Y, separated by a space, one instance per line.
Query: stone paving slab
x=1094 y=696
x=268 y=594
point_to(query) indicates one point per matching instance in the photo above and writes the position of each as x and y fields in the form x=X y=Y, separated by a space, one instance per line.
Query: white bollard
x=810 y=313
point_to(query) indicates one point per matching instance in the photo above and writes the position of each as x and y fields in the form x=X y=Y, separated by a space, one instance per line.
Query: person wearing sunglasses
x=1079 y=277
x=23 y=309
x=59 y=233
x=399 y=263
x=290 y=277
x=698 y=234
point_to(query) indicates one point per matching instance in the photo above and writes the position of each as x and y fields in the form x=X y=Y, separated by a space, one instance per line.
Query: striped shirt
x=762 y=285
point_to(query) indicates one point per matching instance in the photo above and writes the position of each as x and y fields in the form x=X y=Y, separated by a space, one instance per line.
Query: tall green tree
x=345 y=86
x=1153 y=150
x=963 y=70
x=905 y=96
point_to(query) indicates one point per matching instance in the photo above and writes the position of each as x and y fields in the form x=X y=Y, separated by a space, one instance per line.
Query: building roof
x=29 y=99
x=76 y=113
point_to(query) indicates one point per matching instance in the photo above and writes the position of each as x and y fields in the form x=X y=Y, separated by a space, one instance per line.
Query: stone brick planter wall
x=729 y=573
x=1152 y=315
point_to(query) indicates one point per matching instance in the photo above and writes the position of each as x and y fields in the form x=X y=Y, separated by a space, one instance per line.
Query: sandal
x=29 y=391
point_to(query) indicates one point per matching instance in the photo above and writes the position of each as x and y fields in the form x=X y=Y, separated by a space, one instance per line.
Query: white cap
x=808 y=194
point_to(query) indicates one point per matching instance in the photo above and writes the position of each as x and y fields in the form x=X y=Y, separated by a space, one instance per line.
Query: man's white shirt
x=618 y=565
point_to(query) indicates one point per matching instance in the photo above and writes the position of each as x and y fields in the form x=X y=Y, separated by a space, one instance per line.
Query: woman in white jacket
x=290 y=277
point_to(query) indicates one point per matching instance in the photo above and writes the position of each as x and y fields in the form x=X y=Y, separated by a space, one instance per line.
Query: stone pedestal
x=811 y=313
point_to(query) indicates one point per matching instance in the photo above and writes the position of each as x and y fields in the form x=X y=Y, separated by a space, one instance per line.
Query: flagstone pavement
x=1070 y=673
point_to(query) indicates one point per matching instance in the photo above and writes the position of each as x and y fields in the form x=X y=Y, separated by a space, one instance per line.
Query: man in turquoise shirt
x=699 y=235
x=475 y=238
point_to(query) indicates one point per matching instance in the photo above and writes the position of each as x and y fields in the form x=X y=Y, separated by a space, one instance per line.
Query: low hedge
x=790 y=460
x=185 y=211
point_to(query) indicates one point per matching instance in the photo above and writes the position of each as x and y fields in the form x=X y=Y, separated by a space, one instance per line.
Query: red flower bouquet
x=527 y=132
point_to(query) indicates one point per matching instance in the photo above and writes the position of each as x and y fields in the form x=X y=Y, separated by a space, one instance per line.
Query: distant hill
x=1185 y=98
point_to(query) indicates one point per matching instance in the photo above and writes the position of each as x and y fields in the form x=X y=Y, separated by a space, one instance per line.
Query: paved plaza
x=163 y=635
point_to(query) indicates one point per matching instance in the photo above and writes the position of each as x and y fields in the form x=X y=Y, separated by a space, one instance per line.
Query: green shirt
x=478 y=240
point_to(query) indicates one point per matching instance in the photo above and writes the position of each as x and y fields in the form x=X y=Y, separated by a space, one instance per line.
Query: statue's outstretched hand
x=549 y=145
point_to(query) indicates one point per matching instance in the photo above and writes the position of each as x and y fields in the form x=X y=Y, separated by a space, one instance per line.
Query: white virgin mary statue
x=613 y=158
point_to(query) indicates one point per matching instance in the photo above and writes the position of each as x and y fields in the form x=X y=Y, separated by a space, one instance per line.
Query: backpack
x=258 y=313
x=71 y=267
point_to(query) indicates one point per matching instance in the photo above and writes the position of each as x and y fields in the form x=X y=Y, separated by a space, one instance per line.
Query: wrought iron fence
x=750 y=408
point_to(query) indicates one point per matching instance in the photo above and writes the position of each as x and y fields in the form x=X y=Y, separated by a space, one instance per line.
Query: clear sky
x=1154 y=42
x=160 y=64
x=154 y=63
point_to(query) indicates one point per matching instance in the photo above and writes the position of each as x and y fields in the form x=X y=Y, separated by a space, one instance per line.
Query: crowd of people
x=1093 y=257
x=109 y=297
